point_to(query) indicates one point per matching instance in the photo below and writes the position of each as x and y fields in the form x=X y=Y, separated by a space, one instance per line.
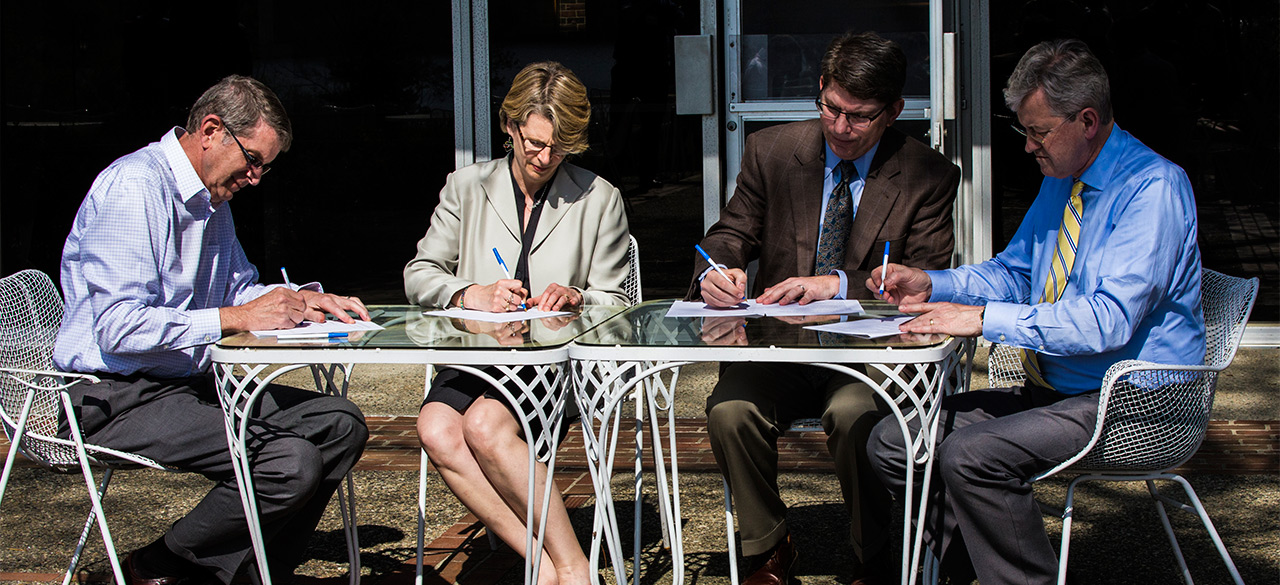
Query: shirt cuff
x=842 y=292
x=206 y=325
x=1000 y=321
x=311 y=286
x=943 y=285
x=708 y=271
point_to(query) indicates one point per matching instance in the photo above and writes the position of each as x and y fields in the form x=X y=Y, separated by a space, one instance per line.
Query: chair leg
x=733 y=543
x=932 y=569
x=16 y=440
x=95 y=497
x=1068 y=511
x=350 y=527
x=1196 y=508
x=637 y=485
x=422 y=490
x=96 y=492
x=1157 y=499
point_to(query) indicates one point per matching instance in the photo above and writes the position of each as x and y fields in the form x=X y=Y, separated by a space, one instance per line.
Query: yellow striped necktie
x=1064 y=257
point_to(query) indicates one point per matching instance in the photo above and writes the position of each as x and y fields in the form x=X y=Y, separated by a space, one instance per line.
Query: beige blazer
x=581 y=238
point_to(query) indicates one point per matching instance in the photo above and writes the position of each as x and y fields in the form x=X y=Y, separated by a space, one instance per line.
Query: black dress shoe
x=132 y=575
x=777 y=568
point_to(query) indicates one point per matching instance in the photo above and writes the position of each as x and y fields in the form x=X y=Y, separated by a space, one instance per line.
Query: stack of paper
x=750 y=308
x=331 y=329
x=487 y=317
x=868 y=328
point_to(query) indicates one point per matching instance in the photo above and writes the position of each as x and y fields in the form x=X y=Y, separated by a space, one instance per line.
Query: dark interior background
x=369 y=88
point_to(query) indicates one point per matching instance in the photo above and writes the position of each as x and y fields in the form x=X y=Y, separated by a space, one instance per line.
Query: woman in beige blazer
x=563 y=233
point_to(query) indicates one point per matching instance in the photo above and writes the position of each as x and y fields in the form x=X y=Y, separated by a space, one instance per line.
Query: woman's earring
x=508 y=145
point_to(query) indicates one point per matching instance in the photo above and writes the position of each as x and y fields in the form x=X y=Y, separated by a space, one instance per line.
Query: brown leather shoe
x=131 y=575
x=777 y=569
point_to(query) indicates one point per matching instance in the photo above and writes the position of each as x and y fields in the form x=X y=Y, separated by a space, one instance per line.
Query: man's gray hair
x=1070 y=76
x=241 y=101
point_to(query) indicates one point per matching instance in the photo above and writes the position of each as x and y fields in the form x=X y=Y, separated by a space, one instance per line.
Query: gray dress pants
x=301 y=445
x=753 y=404
x=991 y=444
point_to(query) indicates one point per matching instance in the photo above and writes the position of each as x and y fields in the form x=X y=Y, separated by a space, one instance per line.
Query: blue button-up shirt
x=147 y=264
x=1134 y=289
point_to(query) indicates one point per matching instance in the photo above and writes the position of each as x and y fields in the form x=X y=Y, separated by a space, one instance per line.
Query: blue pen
x=884 y=268
x=285 y=274
x=333 y=335
x=713 y=264
x=504 y=270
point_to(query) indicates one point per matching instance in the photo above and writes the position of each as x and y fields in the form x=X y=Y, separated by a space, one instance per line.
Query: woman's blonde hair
x=551 y=90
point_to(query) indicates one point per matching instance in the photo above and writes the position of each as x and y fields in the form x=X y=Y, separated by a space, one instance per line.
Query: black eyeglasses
x=1039 y=137
x=534 y=147
x=262 y=168
x=831 y=112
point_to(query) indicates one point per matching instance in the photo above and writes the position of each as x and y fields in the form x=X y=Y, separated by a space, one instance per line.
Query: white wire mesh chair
x=33 y=398
x=630 y=286
x=1153 y=417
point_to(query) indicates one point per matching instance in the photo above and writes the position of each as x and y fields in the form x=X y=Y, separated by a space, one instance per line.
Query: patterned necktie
x=836 y=223
x=1064 y=256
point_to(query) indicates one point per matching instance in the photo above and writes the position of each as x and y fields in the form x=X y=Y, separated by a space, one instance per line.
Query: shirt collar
x=1099 y=174
x=189 y=183
x=862 y=163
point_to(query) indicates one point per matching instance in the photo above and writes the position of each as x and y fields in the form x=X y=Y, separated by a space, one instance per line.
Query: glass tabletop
x=646 y=325
x=408 y=327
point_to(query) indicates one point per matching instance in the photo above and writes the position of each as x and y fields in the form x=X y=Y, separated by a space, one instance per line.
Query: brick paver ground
x=462 y=555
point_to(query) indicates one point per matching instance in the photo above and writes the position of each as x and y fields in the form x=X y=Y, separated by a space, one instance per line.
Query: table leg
x=600 y=387
x=237 y=395
x=547 y=409
x=920 y=388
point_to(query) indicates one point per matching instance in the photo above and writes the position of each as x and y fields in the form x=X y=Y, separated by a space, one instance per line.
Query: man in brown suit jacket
x=798 y=182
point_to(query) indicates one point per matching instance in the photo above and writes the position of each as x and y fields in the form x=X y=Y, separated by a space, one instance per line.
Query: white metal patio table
x=910 y=373
x=244 y=365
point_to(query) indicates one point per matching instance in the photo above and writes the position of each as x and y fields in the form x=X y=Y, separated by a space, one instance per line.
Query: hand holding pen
x=503 y=296
x=728 y=290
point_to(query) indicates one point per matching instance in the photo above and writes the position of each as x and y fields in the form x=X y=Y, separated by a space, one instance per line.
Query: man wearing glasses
x=1104 y=268
x=816 y=202
x=152 y=274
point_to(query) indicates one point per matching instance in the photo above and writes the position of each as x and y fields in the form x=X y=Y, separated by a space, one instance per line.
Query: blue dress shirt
x=1134 y=290
x=147 y=264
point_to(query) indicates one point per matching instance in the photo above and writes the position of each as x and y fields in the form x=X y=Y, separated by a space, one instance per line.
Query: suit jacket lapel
x=502 y=197
x=563 y=193
x=807 y=215
x=879 y=192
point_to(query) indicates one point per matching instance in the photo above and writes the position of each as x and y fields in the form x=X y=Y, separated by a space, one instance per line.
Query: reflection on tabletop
x=647 y=324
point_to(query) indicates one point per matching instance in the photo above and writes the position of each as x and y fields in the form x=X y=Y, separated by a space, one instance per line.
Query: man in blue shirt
x=152 y=274
x=1105 y=267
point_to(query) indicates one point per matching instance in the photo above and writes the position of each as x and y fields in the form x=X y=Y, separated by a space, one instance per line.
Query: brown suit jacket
x=775 y=211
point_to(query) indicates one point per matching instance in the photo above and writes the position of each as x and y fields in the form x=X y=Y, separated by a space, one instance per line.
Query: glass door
x=773 y=52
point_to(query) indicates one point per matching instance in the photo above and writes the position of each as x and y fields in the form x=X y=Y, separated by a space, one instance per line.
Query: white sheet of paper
x=701 y=309
x=827 y=307
x=488 y=317
x=868 y=328
x=750 y=308
x=312 y=329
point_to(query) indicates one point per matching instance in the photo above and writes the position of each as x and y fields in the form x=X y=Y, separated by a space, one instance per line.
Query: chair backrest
x=631 y=285
x=1227 y=302
x=1156 y=420
x=30 y=314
